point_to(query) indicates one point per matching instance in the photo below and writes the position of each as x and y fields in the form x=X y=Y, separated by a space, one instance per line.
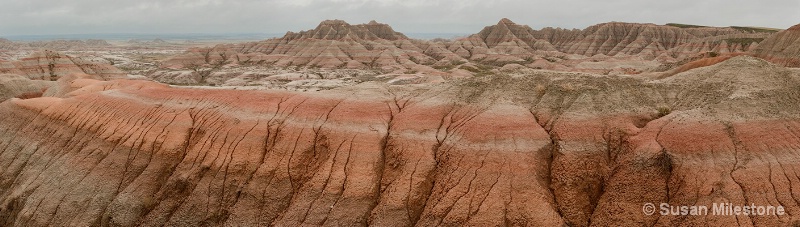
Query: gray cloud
x=421 y=16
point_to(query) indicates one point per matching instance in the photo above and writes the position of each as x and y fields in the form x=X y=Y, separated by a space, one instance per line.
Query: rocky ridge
x=55 y=45
x=607 y=48
x=332 y=44
x=493 y=150
x=631 y=38
x=51 y=65
x=782 y=48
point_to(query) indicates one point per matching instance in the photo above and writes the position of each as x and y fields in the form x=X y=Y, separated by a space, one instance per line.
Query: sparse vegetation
x=685 y=25
x=443 y=67
x=755 y=29
x=453 y=64
x=478 y=70
x=205 y=70
x=52 y=57
x=528 y=60
x=663 y=111
x=743 y=41
x=110 y=61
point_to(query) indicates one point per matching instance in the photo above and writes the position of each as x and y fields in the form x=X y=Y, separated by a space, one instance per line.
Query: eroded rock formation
x=332 y=44
x=783 y=48
x=495 y=43
x=631 y=38
x=16 y=86
x=58 y=45
x=51 y=65
x=539 y=149
x=607 y=48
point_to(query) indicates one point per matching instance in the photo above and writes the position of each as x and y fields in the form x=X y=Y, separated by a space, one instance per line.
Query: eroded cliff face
x=608 y=48
x=539 y=149
x=51 y=65
x=631 y=38
x=783 y=48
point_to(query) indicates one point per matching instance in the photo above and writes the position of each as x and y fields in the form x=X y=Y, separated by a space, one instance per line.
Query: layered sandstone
x=538 y=149
x=783 y=48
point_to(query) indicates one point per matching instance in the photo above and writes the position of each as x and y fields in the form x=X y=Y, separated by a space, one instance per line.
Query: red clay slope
x=543 y=150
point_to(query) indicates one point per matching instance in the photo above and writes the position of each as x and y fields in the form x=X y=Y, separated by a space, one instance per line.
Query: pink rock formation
x=332 y=44
x=335 y=44
x=548 y=149
x=50 y=65
x=504 y=42
x=783 y=48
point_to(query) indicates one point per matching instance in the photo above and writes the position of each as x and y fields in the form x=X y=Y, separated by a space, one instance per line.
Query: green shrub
x=685 y=25
x=663 y=111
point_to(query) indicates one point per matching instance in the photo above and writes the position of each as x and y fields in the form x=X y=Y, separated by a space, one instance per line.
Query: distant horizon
x=37 y=17
x=184 y=36
x=124 y=36
x=136 y=36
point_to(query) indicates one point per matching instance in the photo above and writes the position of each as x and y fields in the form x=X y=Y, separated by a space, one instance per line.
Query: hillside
x=782 y=48
x=142 y=153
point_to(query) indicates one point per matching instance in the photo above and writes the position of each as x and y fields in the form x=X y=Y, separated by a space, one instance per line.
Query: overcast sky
x=37 y=17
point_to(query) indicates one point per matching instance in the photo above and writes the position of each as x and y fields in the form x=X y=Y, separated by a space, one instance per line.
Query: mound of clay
x=70 y=83
x=16 y=86
x=702 y=61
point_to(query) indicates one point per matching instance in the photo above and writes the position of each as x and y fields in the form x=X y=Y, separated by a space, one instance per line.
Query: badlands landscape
x=359 y=125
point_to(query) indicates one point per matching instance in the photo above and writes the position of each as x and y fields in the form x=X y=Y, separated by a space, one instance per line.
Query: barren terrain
x=356 y=125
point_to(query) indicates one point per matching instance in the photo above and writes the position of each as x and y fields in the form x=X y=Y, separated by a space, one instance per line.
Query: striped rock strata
x=541 y=149
x=16 y=86
x=332 y=44
x=783 y=48
x=51 y=65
